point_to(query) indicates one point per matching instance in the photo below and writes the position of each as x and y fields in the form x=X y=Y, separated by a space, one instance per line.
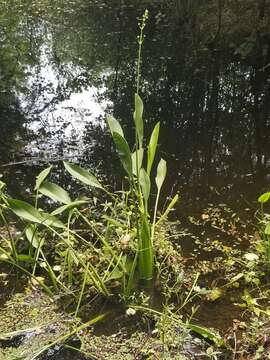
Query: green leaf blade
x=27 y=212
x=138 y=118
x=124 y=153
x=161 y=173
x=145 y=184
x=42 y=176
x=138 y=157
x=83 y=175
x=31 y=235
x=264 y=197
x=114 y=126
x=69 y=206
x=152 y=147
x=55 y=192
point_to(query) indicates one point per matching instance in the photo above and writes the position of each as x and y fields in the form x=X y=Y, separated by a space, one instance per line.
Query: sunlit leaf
x=145 y=184
x=161 y=173
x=25 y=258
x=138 y=113
x=69 y=206
x=31 y=235
x=115 y=274
x=42 y=176
x=55 y=192
x=152 y=148
x=267 y=229
x=264 y=197
x=83 y=175
x=27 y=212
x=2 y=185
x=134 y=157
x=114 y=126
x=123 y=151
x=206 y=333
x=52 y=221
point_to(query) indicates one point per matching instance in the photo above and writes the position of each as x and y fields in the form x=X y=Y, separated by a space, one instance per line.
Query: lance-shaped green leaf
x=27 y=212
x=138 y=118
x=206 y=333
x=152 y=147
x=161 y=173
x=114 y=126
x=55 y=192
x=32 y=236
x=145 y=185
x=123 y=150
x=42 y=176
x=264 y=197
x=135 y=158
x=83 y=175
x=169 y=208
x=69 y=206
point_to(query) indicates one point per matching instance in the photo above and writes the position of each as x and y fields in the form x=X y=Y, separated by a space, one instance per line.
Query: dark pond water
x=64 y=65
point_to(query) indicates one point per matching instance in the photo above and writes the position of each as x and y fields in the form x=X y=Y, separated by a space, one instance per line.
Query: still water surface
x=64 y=65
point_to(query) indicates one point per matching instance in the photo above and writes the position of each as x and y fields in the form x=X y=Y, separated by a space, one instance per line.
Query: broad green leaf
x=55 y=192
x=42 y=176
x=145 y=185
x=69 y=206
x=138 y=113
x=114 y=126
x=146 y=262
x=161 y=173
x=83 y=175
x=123 y=150
x=31 y=235
x=134 y=159
x=264 y=197
x=152 y=148
x=27 y=212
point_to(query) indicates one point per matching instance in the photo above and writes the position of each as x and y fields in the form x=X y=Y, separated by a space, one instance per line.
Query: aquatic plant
x=121 y=225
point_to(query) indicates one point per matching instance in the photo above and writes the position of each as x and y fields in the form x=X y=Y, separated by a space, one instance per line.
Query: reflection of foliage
x=205 y=68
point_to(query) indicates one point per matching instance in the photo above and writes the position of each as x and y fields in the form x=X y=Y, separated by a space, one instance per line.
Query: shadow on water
x=63 y=67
